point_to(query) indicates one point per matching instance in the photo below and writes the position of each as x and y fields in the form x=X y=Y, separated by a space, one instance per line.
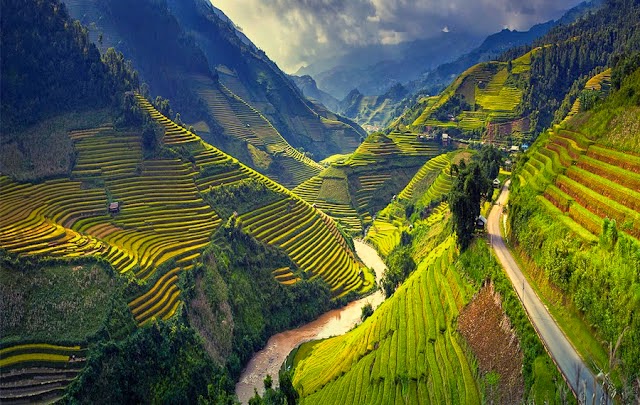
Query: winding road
x=581 y=380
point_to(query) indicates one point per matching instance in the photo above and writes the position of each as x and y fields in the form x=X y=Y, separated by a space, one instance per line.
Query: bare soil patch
x=489 y=334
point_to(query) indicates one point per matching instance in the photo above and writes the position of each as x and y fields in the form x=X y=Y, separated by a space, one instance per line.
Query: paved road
x=579 y=377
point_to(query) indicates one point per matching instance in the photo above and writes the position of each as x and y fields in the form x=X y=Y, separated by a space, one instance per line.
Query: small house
x=496 y=183
x=446 y=139
x=481 y=222
x=114 y=207
x=508 y=164
x=514 y=149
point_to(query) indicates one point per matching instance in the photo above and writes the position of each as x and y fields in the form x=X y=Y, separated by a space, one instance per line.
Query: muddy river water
x=332 y=323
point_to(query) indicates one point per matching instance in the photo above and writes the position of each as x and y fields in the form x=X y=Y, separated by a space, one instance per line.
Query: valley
x=179 y=223
x=269 y=360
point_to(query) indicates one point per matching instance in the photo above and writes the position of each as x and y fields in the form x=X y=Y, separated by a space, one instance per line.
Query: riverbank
x=333 y=323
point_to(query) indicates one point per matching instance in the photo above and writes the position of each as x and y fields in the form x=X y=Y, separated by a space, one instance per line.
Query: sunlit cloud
x=298 y=32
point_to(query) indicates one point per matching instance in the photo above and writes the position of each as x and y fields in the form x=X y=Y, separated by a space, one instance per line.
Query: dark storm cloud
x=298 y=32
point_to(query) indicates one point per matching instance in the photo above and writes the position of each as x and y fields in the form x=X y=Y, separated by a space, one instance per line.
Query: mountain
x=530 y=87
x=432 y=81
x=374 y=69
x=494 y=45
x=373 y=112
x=310 y=89
x=232 y=93
x=44 y=48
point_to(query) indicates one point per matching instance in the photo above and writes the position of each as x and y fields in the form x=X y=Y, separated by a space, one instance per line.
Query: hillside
x=44 y=48
x=484 y=101
x=494 y=46
x=373 y=112
x=511 y=100
x=310 y=89
x=32 y=64
x=576 y=196
x=411 y=350
x=168 y=210
x=353 y=188
x=213 y=70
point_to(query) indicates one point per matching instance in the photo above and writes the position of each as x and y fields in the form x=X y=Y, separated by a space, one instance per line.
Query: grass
x=27 y=155
x=55 y=302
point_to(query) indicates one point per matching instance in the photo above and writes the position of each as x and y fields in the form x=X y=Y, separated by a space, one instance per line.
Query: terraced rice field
x=379 y=147
x=434 y=165
x=599 y=82
x=406 y=352
x=582 y=183
x=331 y=195
x=174 y=134
x=369 y=183
x=241 y=120
x=485 y=88
x=497 y=97
x=285 y=276
x=162 y=216
x=312 y=241
x=384 y=234
x=38 y=372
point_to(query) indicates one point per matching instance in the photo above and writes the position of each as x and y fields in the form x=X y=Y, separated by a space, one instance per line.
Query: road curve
x=581 y=380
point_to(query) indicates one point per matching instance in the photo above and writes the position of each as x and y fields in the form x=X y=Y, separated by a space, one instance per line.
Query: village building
x=114 y=207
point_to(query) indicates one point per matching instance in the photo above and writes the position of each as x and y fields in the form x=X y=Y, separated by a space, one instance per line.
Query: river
x=332 y=323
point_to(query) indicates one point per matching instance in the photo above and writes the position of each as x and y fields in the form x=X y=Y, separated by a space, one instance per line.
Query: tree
x=464 y=200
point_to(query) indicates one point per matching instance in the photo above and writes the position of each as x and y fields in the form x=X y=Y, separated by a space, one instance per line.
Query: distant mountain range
x=420 y=78
x=373 y=69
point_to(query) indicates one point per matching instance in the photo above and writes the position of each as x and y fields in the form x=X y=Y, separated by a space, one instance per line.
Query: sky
x=295 y=33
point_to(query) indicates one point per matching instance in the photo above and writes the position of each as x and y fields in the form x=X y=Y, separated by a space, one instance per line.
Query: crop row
x=620 y=159
x=613 y=173
x=107 y=154
x=577 y=225
x=218 y=105
x=285 y=276
x=384 y=235
x=405 y=352
x=569 y=145
x=433 y=165
x=29 y=215
x=368 y=185
x=303 y=233
x=38 y=372
x=342 y=212
x=312 y=241
x=174 y=133
x=600 y=205
x=607 y=188
x=160 y=302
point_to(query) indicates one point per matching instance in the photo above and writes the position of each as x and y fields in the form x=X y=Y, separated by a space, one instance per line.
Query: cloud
x=298 y=32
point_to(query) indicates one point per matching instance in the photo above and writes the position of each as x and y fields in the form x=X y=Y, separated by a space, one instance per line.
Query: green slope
x=576 y=195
